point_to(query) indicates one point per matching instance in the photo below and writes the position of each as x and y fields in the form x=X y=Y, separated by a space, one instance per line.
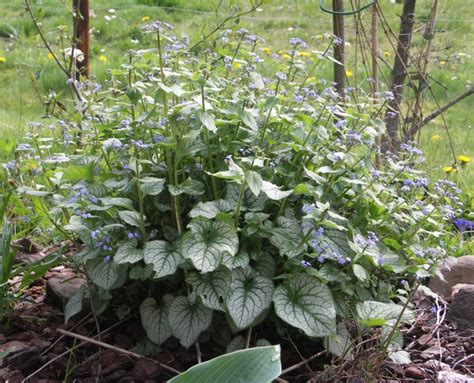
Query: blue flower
x=463 y=225
x=305 y=264
x=308 y=208
x=107 y=259
x=281 y=76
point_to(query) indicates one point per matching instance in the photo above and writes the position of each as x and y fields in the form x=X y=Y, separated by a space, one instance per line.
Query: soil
x=39 y=353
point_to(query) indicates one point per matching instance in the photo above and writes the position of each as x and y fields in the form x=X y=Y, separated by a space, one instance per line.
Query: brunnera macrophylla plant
x=214 y=198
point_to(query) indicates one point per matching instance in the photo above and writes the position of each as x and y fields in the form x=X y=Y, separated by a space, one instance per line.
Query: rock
x=433 y=352
x=62 y=287
x=461 y=310
x=414 y=372
x=457 y=270
x=453 y=377
x=12 y=347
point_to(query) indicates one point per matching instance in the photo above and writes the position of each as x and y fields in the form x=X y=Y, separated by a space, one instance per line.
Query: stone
x=461 y=310
x=414 y=372
x=12 y=347
x=457 y=270
x=61 y=288
x=453 y=377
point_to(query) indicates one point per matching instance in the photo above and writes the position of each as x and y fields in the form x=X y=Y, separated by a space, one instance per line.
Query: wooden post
x=399 y=74
x=338 y=31
x=81 y=35
x=375 y=74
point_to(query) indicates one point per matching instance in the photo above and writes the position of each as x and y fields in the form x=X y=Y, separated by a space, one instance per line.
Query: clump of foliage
x=219 y=196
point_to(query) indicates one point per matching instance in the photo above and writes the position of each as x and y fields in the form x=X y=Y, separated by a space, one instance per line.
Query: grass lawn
x=27 y=74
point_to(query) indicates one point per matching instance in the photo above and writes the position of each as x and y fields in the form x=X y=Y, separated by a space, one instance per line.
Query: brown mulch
x=30 y=333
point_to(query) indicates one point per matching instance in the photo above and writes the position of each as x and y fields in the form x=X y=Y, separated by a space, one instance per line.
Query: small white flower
x=78 y=55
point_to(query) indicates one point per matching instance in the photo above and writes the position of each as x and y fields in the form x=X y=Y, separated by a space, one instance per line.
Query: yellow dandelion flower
x=267 y=51
x=304 y=54
x=387 y=53
x=50 y=56
x=348 y=73
x=442 y=63
x=145 y=18
x=286 y=56
x=280 y=52
x=2 y=59
x=102 y=59
x=311 y=79
x=237 y=65
x=464 y=159
x=435 y=138
x=449 y=169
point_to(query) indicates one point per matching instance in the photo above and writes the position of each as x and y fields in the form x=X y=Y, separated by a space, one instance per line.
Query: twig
x=51 y=361
x=224 y=22
x=302 y=363
x=116 y=349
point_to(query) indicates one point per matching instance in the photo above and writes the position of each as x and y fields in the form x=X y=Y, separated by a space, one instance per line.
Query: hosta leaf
x=163 y=256
x=155 y=319
x=131 y=217
x=307 y=304
x=211 y=287
x=128 y=253
x=373 y=313
x=210 y=209
x=273 y=191
x=248 y=297
x=207 y=241
x=188 y=319
x=207 y=120
x=253 y=365
x=152 y=185
x=103 y=274
x=288 y=237
x=254 y=181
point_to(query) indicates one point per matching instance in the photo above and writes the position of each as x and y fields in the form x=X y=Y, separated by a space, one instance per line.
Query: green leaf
x=210 y=209
x=373 y=313
x=103 y=274
x=360 y=272
x=117 y=201
x=151 y=185
x=288 y=237
x=190 y=186
x=131 y=217
x=155 y=319
x=253 y=365
x=140 y=272
x=254 y=181
x=248 y=297
x=250 y=201
x=240 y=259
x=164 y=257
x=207 y=241
x=74 y=305
x=128 y=253
x=211 y=287
x=188 y=319
x=273 y=191
x=249 y=120
x=307 y=304
x=207 y=120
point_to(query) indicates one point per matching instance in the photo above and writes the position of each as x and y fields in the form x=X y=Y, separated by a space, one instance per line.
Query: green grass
x=28 y=72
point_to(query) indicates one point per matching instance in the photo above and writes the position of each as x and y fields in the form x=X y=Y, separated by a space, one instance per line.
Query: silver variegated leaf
x=103 y=274
x=307 y=304
x=128 y=253
x=241 y=259
x=211 y=287
x=207 y=241
x=155 y=319
x=163 y=256
x=288 y=237
x=188 y=319
x=248 y=297
x=210 y=209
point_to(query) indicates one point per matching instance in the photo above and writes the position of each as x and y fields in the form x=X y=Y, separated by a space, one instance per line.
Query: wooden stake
x=81 y=35
x=338 y=31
